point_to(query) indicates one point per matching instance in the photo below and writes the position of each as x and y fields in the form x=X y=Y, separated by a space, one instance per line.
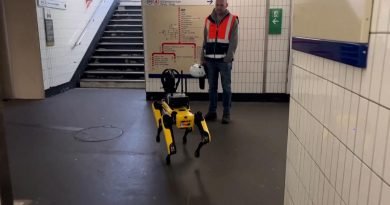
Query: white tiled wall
x=59 y=62
x=339 y=139
x=247 y=74
x=278 y=51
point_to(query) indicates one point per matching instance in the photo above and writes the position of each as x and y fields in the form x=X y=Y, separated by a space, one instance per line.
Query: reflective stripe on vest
x=215 y=56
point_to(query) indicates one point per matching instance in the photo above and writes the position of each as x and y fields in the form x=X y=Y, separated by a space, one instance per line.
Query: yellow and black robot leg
x=157 y=107
x=188 y=130
x=200 y=122
x=167 y=123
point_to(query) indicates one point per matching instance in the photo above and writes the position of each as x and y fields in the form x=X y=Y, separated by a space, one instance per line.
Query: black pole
x=185 y=84
x=6 y=195
x=181 y=78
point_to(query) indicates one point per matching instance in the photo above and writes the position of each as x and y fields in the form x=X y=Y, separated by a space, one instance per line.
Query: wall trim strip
x=354 y=54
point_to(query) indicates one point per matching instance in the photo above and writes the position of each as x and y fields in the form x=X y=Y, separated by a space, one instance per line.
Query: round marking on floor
x=99 y=134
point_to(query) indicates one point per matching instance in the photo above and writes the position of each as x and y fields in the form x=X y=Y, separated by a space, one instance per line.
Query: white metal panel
x=340 y=20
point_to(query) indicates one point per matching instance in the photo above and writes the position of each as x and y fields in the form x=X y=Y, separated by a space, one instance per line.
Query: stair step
x=98 y=83
x=130 y=3
x=117 y=64
x=124 y=25
x=126 y=2
x=117 y=50
x=123 y=31
x=127 y=15
x=121 y=37
x=126 y=20
x=121 y=44
x=112 y=80
x=118 y=57
x=113 y=72
x=129 y=9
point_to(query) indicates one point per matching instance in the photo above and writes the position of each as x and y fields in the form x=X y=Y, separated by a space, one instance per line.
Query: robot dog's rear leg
x=171 y=151
x=159 y=129
x=204 y=132
x=168 y=159
x=157 y=108
x=185 y=135
x=197 y=151
x=167 y=123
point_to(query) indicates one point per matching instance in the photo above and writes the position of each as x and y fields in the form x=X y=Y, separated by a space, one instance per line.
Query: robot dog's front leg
x=159 y=129
x=188 y=130
x=167 y=123
x=157 y=107
x=204 y=132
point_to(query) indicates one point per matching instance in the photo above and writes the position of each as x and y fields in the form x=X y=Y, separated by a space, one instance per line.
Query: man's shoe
x=225 y=119
x=211 y=116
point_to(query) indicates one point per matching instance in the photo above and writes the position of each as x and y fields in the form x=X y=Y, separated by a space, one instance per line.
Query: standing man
x=219 y=46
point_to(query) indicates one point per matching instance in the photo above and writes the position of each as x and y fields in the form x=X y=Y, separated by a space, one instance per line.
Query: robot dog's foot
x=172 y=151
x=204 y=141
x=204 y=132
x=159 y=129
x=158 y=135
x=197 y=151
x=168 y=159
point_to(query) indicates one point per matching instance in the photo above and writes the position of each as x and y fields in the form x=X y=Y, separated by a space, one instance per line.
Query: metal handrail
x=82 y=34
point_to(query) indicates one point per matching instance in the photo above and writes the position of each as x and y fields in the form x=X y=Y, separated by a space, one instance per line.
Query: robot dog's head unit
x=170 y=79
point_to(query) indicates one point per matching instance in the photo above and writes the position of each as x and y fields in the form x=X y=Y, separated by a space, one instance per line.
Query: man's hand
x=202 y=62
x=228 y=59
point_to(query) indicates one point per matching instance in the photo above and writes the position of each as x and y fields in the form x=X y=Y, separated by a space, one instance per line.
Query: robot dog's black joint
x=174 y=113
x=168 y=122
x=172 y=149
x=168 y=159
x=185 y=135
x=198 y=121
x=205 y=138
x=199 y=117
x=159 y=129
x=157 y=105
x=197 y=151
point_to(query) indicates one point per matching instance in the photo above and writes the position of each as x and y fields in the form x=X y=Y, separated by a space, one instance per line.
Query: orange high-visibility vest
x=218 y=35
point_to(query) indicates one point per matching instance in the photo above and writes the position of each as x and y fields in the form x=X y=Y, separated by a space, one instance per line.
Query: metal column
x=6 y=194
x=265 y=65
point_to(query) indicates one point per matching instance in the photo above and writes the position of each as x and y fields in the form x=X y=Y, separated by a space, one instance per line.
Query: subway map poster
x=173 y=36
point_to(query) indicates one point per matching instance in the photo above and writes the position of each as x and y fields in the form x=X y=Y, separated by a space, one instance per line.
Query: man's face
x=220 y=6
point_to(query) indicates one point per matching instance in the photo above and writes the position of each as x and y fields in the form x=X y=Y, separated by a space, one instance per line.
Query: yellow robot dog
x=174 y=110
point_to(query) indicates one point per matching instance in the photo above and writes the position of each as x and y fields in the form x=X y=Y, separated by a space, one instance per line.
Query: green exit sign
x=275 y=21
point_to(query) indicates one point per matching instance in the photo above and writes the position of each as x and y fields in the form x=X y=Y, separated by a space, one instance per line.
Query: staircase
x=118 y=61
